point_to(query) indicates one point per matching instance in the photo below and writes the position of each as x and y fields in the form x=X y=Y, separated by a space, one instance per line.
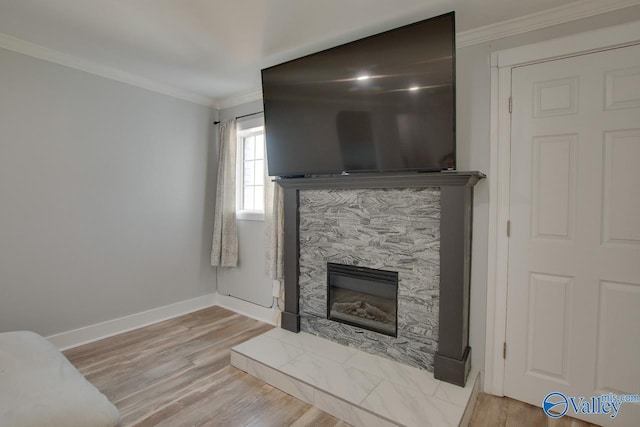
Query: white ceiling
x=216 y=48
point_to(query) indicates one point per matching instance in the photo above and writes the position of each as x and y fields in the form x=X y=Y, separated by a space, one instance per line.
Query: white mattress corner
x=39 y=387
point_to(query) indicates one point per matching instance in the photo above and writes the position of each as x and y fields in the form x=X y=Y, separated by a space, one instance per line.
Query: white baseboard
x=98 y=331
x=258 y=312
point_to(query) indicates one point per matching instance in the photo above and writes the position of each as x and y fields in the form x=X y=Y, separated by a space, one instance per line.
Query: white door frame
x=502 y=63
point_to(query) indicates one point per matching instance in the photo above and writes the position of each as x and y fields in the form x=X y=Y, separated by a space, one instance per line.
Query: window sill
x=250 y=216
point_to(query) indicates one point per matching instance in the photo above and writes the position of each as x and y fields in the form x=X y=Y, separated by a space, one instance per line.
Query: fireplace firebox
x=363 y=297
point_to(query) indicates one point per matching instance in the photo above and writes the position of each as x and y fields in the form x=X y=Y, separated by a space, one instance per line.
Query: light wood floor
x=178 y=373
x=493 y=411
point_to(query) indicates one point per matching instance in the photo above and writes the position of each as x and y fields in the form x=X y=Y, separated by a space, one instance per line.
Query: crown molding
x=535 y=21
x=235 y=100
x=57 y=57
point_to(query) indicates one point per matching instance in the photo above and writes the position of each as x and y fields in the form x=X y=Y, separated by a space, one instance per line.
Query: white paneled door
x=573 y=317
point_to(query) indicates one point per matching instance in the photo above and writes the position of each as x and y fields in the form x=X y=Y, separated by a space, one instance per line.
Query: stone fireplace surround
x=394 y=229
x=450 y=355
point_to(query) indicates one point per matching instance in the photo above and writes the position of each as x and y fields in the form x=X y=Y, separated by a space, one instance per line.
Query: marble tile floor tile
x=359 y=388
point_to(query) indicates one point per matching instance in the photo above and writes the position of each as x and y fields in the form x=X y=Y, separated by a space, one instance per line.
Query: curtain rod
x=244 y=115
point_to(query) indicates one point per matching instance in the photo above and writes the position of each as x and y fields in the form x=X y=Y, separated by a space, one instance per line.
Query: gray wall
x=248 y=281
x=105 y=198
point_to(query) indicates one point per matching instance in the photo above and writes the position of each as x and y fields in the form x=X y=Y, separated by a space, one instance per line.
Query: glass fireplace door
x=363 y=297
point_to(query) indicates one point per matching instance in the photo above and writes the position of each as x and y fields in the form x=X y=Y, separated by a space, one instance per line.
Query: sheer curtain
x=274 y=229
x=224 y=249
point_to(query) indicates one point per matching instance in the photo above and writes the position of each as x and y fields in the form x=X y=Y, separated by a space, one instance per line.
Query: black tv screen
x=385 y=103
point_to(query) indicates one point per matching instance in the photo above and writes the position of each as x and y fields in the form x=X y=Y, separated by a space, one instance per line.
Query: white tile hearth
x=411 y=408
x=316 y=345
x=338 y=379
x=269 y=351
x=394 y=372
x=357 y=387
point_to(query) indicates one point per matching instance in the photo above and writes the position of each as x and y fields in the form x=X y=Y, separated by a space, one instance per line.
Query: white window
x=251 y=170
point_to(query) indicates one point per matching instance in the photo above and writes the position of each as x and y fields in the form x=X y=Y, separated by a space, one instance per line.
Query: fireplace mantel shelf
x=384 y=180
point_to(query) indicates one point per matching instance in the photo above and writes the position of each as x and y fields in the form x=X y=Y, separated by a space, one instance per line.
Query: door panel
x=620 y=213
x=547 y=352
x=554 y=186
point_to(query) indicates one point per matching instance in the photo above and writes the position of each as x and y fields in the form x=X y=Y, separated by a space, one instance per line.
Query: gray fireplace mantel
x=380 y=180
x=452 y=361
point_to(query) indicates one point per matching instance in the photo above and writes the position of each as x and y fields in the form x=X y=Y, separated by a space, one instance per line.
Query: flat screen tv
x=385 y=103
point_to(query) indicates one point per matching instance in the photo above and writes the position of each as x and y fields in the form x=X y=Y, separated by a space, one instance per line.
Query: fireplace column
x=290 y=316
x=452 y=361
